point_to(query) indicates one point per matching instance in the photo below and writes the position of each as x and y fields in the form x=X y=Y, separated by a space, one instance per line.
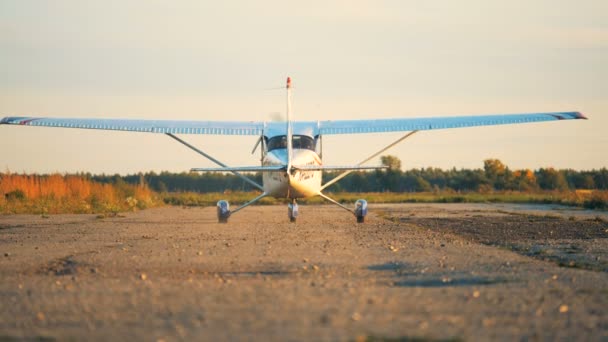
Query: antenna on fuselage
x=289 y=125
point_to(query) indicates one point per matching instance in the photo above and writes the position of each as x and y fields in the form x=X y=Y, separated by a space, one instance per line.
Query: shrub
x=598 y=200
x=17 y=194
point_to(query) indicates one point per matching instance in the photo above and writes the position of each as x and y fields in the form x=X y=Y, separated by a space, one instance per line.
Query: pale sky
x=213 y=60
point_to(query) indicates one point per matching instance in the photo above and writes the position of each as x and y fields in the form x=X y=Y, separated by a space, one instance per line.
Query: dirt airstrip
x=411 y=272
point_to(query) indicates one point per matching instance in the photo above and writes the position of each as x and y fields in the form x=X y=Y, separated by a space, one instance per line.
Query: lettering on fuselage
x=304 y=175
x=276 y=176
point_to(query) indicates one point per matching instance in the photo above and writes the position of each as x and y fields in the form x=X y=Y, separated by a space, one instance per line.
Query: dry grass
x=56 y=193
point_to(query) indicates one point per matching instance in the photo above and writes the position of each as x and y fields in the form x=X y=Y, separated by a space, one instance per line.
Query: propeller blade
x=255 y=147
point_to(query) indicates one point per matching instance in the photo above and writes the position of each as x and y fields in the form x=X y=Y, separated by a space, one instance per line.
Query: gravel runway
x=411 y=272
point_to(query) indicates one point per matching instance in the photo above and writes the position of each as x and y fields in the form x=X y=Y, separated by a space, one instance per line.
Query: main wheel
x=361 y=210
x=223 y=211
x=292 y=211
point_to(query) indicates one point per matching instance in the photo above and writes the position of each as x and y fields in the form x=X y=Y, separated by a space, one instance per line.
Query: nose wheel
x=292 y=211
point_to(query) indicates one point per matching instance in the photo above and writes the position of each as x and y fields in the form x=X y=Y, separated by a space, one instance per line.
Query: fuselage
x=297 y=183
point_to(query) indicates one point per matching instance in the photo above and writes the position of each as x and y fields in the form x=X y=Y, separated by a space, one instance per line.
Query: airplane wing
x=150 y=126
x=309 y=127
x=420 y=124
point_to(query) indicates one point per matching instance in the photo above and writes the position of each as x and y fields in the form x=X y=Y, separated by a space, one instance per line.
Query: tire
x=360 y=219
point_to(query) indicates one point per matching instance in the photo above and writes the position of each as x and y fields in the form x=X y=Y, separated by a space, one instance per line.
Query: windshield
x=298 y=141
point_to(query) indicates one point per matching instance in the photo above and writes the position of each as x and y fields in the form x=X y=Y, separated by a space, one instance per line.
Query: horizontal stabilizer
x=241 y=169
x=337 y=168
x=284 y=168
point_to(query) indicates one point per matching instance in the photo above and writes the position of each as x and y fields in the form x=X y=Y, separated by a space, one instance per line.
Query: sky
x=354 y=59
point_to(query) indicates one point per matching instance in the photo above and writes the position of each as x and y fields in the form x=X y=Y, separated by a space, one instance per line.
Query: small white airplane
x=291 y=151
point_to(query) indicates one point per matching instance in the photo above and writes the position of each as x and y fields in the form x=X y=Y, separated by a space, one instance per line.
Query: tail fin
x=289 y=126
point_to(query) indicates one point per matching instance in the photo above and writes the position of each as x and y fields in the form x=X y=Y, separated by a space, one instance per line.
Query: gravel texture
x=411 y=272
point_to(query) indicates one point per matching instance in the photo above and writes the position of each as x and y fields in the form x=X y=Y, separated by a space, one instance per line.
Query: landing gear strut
x=292 y=211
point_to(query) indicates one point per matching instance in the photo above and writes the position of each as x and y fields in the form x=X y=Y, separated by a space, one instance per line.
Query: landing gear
x=223 y=211
x=292 y=211
x=361 y=210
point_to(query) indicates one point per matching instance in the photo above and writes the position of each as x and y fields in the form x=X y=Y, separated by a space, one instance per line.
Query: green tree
x=392 y=162
x=495 y=172
x=524 y=180
x=600 y=178
x=551 y=179
x=391 y=178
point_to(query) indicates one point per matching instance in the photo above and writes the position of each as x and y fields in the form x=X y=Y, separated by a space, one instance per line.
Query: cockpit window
x=298 y=141
x=277 y=142
x=303 y=142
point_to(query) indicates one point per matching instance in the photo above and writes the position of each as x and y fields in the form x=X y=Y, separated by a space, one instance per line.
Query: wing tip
x=579 y=115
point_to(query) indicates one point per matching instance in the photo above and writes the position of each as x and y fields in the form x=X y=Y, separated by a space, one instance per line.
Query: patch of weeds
x=44 y=212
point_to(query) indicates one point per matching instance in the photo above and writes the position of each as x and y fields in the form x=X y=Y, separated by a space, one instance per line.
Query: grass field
x=587 y=199
x=56 y=194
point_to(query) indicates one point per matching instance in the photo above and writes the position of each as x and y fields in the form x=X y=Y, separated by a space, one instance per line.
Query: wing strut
x=245 y=178
x=250 y=202
x=335 y=202
x=344 y=174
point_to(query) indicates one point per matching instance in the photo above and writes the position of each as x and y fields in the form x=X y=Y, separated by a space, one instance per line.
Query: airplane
x=291 y=152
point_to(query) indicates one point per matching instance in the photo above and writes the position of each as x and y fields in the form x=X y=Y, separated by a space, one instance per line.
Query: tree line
x=494 y=176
